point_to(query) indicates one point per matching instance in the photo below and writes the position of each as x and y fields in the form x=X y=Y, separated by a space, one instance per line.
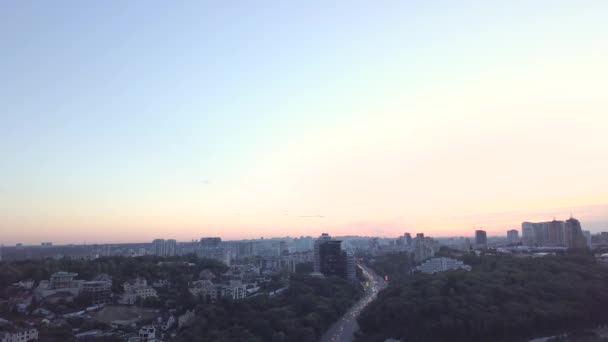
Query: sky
x=128 y=121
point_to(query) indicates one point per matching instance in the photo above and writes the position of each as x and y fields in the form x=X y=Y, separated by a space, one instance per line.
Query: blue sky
x=168 y=117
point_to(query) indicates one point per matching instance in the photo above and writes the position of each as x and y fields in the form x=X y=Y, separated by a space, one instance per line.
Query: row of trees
x=301 y=314
x=503 y=298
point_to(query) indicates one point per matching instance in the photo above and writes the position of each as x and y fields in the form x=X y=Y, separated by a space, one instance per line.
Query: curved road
x=344 y=329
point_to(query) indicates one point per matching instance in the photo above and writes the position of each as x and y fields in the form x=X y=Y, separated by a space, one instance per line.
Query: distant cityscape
x=250 y=267
x=559 y=234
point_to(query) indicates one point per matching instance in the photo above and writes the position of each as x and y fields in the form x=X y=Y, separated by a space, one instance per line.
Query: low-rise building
x=99 y=290
x=205 y=289
x=147 y=333
x=234 y=289
x=61 y=280
x=61 y=284
x=25 y=284
x=442 y=264
x=242 y=272
x=166 y=321
x=136 y=288
x=19 y=335
x=160 y=283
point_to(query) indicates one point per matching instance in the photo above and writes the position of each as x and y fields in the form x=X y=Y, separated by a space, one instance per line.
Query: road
x=344 y=329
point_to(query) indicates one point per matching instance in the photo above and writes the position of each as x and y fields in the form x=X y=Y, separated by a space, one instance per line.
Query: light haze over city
x=128 y=121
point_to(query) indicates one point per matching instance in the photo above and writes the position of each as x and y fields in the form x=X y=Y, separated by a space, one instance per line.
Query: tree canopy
x=504 y=298
x=301 y=314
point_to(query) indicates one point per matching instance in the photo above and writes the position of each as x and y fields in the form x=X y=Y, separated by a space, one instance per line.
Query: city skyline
x=397 y=235
x=129 y=122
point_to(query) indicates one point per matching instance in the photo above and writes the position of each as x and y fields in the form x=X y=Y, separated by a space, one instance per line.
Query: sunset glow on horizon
x=128 y=122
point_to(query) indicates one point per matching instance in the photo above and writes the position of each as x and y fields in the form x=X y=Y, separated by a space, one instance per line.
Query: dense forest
x=503 y=298
x=300 y=314
x=394 y=265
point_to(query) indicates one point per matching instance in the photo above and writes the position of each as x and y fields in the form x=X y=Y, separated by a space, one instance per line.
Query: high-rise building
x=158 y=247
x=554 y=233
x=541 y=230
x=283 y=250
x=245 y=249
x=374 y=244
x=288 y=263
x=162 y=247
x=587 y=235
x=419 y=247
x=351 y=267
x=513 y=236
x=481 y=239
x=467 y=244
x=170 y=246
x=604 y=237
x=574 y=234
x=404 y=240
x=317 y=261
x=527 y=233
x=331 y=260
x=408 y=239
x=303 y=244
x=210 y=242
x=424 y=247
x=537 y=233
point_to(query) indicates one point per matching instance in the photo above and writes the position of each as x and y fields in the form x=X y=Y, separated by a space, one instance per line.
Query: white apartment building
x=424 y=247
x=164 y=247
x=235 y=289
x=135 y=288
x=22 y=335
x=147 y=333
x=442 y=264
x=63 y=282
